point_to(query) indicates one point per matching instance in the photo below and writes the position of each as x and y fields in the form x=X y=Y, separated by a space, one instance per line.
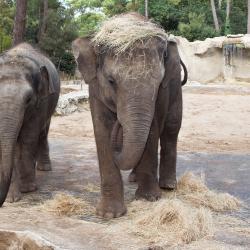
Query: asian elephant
x=131 y=111
x=29 y=91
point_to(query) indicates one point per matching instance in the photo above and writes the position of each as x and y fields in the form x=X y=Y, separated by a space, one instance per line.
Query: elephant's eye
x=28 y=99
x=111 y=81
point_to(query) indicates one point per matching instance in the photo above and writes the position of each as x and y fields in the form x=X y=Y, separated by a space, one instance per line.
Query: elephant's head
x=23 y=84
x=127 y=82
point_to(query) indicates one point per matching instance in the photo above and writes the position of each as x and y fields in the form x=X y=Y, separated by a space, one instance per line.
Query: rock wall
x=219 y=59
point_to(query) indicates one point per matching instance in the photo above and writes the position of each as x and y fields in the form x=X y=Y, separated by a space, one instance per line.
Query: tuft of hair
x=64 y=204
x=122 y=32
x=193 y=189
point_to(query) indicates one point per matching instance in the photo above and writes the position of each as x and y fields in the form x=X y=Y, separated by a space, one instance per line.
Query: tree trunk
x=146 y=8
x=216 y=22
x=248 y=21
x=219 y=4
x=228 y=9
x=227 y=25
x=133 y=5
x=43 y=19
x=20 y=21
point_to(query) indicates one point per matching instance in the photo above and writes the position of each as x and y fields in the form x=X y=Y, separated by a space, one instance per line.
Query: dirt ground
x=216 y=121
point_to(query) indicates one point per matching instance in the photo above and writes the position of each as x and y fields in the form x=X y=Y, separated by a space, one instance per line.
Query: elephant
x=29 y=92
x=131 y=111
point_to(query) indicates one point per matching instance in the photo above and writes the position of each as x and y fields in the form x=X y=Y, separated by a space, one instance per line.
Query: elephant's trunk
x=9 y=130
x=130 y=133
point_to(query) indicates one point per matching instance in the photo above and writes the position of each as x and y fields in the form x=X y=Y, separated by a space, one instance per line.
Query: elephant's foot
x=44 y=166
x=110 y=209
x=148 y=194
x=14 y=195
x=168 y=183
x=132 y=176
x=148 y=187
x=28 y=187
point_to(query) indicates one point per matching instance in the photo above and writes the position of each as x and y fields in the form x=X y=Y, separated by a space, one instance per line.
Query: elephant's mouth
x=117 y=137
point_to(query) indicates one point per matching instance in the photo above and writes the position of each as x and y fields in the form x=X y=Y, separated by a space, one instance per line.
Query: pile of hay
x=123 y=31
x=67 y=205
x=193 y=189
x=179 y=217
x=169 y=221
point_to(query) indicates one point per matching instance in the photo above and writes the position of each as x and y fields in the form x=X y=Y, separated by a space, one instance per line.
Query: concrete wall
x=219 y=59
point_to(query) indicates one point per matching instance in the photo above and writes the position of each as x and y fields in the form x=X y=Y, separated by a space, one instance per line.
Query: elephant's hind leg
x=28 y=142
x=168 y=138
x=146 y=171
x=43 y=158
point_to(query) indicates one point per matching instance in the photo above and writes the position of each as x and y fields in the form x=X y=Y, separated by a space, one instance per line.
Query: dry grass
x=193 y=189
x=67 y=205
x=92 y=188
x=179 y=217
x=121 y=32
x=169 y=221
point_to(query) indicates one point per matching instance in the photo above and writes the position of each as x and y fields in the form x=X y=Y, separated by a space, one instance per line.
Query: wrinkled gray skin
x=29 y=91
x=132 y=109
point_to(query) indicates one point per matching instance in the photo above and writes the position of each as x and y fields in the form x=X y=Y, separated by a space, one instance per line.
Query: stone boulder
x=69 y=103
x=11 y=240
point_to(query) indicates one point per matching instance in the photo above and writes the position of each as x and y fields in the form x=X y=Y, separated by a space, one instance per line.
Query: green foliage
x=196 y=28
x=61 y=30
x=56 y=41
x=6 y=24
x=87 y=23
x=227 y=27
x=238 y=17
x=114 y=7
x=68 y=19
x=83 y=5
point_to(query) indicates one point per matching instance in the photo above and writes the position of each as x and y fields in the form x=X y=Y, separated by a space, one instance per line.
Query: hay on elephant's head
x=67 y=205
x=193 y=189
x=122 y=32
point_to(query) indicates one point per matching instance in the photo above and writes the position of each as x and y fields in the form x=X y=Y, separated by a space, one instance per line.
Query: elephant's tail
x=184 y=81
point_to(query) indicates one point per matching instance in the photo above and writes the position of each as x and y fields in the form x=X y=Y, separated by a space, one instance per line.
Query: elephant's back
x=27 y=52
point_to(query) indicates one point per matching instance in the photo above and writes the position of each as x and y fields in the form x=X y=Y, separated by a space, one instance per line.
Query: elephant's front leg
x=111 y=204
x=146 y=171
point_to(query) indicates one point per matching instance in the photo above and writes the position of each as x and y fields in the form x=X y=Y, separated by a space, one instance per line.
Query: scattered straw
x=123 y=31
x=193 y=189
x=191 y=183
x=168 y=221
x=66 y=205
x=92 y=188
x=179 y=217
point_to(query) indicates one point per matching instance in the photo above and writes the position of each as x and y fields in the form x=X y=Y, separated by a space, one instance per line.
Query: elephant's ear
x=171 y=62
x=85 y=57
x=46 y=87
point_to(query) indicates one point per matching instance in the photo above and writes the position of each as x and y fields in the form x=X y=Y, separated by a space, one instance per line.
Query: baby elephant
x=29 y=91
